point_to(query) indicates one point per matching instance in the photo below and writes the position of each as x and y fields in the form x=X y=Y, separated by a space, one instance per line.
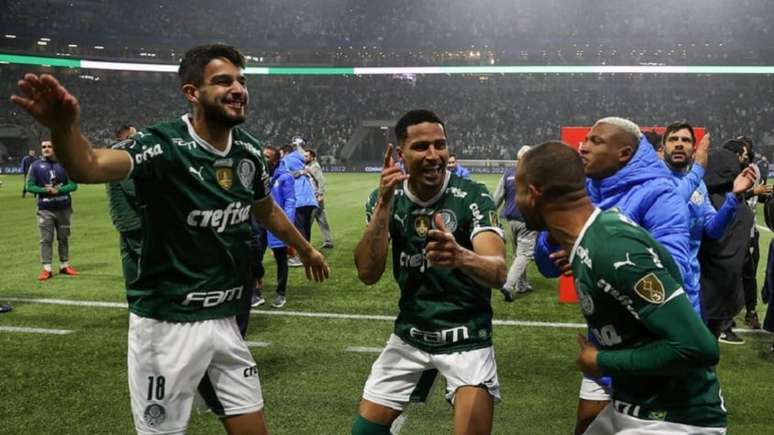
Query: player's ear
x=191 y=93
x=535 y=195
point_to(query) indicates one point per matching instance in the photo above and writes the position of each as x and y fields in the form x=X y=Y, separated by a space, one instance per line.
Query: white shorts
x=610 y=421
x=397 y=372
x=593 y=390
x=168 y=360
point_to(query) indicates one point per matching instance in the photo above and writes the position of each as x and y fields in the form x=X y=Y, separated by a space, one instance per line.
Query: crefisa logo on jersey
x=224 y=173
x=246 y=173
x=154 y=414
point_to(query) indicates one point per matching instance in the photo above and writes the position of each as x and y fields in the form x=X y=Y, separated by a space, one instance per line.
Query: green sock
x=365 y=427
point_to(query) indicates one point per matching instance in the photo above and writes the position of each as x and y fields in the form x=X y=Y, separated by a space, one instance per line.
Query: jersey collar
x=413 y=198
x=203 y=143
x=586 y=226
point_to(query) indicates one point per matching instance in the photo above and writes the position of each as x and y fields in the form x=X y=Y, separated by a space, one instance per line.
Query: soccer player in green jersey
x=447 y=255
x=657 y=350
x=198 y=177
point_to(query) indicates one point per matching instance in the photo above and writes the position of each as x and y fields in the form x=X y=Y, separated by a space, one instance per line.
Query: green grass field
x=76 y=383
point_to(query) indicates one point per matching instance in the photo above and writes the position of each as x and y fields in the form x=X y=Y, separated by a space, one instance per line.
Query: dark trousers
x=304 y=220
x=131 y=246
x=749 y=272
x=280 y=256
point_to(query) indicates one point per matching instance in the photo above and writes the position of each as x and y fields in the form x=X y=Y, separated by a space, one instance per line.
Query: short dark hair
x=312 y=152
x=414 y=117
x=122 y=128
x=194 y=61
x=654 y=139
x=555 y=169
x=734 y=146
x=453 y=155
x=676 y=126
x=287 y=149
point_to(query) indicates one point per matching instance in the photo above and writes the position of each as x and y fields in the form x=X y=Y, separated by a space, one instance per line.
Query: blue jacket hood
x=643 y=166
x=292 y=162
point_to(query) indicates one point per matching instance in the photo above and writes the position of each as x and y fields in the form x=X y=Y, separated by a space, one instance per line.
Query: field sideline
x=313 y=356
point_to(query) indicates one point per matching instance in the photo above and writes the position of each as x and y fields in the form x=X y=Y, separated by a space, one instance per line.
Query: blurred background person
x=26 y=162
x=456 y=168
x=48 y=180
x=522 y=239
x=313 y=168
x=292 y=161
x=125 y=214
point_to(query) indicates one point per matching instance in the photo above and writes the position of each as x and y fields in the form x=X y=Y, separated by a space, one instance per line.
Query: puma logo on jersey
x=628 y=262
x=195 y=172
x=233 y=214
x=656 y=260
x=402 y=220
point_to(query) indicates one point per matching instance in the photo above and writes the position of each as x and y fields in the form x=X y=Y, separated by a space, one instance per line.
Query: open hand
x=315 y=266
x=47 y=101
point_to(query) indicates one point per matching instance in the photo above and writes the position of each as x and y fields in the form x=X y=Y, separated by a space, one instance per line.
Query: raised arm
x=58 y=110
x=371 y=251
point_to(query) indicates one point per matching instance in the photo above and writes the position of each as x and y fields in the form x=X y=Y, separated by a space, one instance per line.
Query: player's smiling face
x=223 y=93
x=425 y=155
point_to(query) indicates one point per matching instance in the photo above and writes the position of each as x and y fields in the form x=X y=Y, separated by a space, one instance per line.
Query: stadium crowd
x=493 y=116
x=347 y=32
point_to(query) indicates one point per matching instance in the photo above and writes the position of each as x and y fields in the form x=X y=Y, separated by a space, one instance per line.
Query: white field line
x=257 y=343
x=309 y=314
x=362 y=349
x=35 y=330
x=762 y=228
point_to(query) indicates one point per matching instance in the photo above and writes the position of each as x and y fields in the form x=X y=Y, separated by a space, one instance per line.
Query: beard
x=677 y=165
x=217 y=114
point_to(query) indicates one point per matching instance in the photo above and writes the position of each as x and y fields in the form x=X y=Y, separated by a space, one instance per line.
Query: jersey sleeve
x=262 y=180
x=484 y=212
x=147 y=153
x=641 y=270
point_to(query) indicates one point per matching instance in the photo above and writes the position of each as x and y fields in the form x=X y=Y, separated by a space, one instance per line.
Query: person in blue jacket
x=686 y=162
x=26 y=162
x=456 y=168
x=306 y=200
x=283 y=193
x=622 y=171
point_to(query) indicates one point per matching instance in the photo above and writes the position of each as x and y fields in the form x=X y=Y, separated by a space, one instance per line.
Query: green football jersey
x=195 y=205
x=623 y=277
x=441 y=310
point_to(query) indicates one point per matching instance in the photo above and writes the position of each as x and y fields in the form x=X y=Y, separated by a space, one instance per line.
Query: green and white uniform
x=443 y=312
x=195 y=220
x=193 y=268
x=656 y=349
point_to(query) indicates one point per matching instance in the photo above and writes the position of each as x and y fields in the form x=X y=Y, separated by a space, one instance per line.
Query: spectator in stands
x=456 y=168
x=624 y=172
x=125 y=214
x=48 y=180
x=313 y=169
x=26 y=162
x=722 y=260
x=522 y=239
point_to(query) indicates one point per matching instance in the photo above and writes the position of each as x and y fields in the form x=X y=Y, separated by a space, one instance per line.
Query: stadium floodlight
x=10 y=36
x=72 y=45
x=99 y=47
x=46 y=39
x=42 y=43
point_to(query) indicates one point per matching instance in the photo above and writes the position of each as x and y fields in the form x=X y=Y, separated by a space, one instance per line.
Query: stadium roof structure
x=69 y=62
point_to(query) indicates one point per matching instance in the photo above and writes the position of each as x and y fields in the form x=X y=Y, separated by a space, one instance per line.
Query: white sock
x=64 y=264
x=47 y=267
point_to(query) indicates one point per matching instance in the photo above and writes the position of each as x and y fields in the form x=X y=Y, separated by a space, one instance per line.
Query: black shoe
x=730 y=337
x=257 y=300
x=5 y=308
x=751 y=319
x=507 y=294
x=326 y=246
